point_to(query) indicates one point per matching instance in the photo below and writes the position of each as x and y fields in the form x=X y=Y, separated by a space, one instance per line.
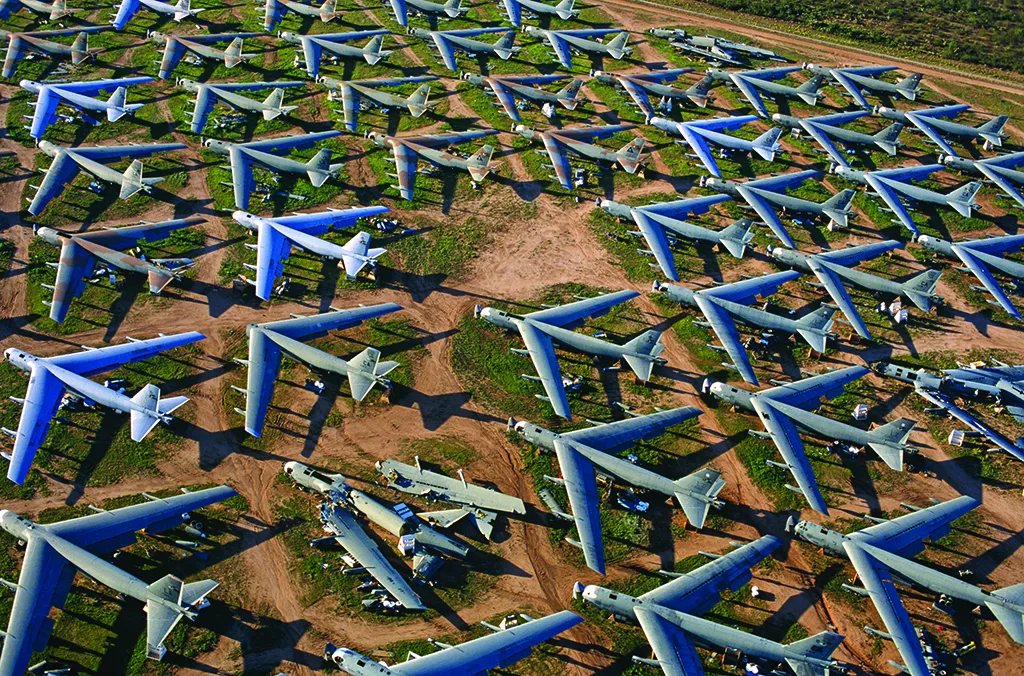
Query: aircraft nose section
x=716 y=388
x=590 y=592
x=290 y=466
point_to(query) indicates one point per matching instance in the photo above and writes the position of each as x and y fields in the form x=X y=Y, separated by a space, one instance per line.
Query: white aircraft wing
x=834 y=286
x=725 y=328
x=892 y=200
x=572 y=315
x=561 y=48
x=581 y=485
x=922 y=123
x=638 y=94
x=45 y=113
x=205 y=102
x=750 y=92
x=657 y=242
x=767 y=214
x=984 y=275
x=542 y=352
x=699 y=145
x=405 y=166
x=506 y=99
x=786 y=438
x=272 y=250
x=559 y=160
x=673 y=649
x=887 y=602
x=42 y=399
x=905 y=535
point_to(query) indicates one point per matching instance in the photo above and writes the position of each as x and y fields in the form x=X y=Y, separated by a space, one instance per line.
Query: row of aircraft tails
x=670 y=616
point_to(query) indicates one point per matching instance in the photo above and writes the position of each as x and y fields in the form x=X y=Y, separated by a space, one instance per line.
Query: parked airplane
x=276 y=10
x=578 y=141
x=449 y=42
x=858 y=79
x=406 y=152
x=81 y=95
x=753 y=83
x=826 y=130
x=176 y=46
x=357 y=95
x=934 y=124
x=563 y=10
x=640 y=86
x=698 y=134
x=208 y=94
x=39 y=42
x=508 y=88
x=54 y=11
x=564 y=42
x=127 y=10
x=451 y=9
x=1001 y=170
x=981 y=256
x=314 y=45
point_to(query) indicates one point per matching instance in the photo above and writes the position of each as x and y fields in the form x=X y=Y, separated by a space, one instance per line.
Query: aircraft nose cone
x=776 y=116
x=924 y=239
x=716 y=388
x=291 y=466
x=590 y=592
x=240 y=216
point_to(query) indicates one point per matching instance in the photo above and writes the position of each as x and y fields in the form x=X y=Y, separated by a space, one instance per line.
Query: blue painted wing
x=91 y=362
x=725 y=328
x=505 y=96
x=657 y=242
x=264 y=363
x=852 y=87
x=887 y=602
x=242 y=182
x=673 y=649
x=837 y=291
x=204 y=106
x=887 y=191
x=559 y=160
x=905 y=535
x=94 y=87
x=807 y=393
x=638 y=94
x=173 y=53
x=825 y=141
x=990 y=168
x=581 y=485
x=750 y=92
x=786 y=438
x=125 y=12
x=592 y=133
x=450 y=138
x=104 y=153
x=572 y=315
x=445 y=49
x=290 y=142
x=855 y=254
x=45 y=113
x=273 y=13
x=515 y=12
x=622 y=434
x=272 y=250
x=993 y=245
x=42 y=399
x=542 y=353
x=401 y=12
x=406 y=160
x=311 y=52
x=746 y=291
x=561 y=49
x=682 y=208
x=61 y=172
x=699 y=144
x=317 y=326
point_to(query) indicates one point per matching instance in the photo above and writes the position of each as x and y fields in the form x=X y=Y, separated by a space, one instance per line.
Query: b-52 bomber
x=176 y=46
x=896 y=185
x=903 y=536
x=498 y=650
x=753 y=83
x=208 y=94
x=127 y=10
x=430 y=545
x=276 y=10
x=57 y=552
x=40 y=43
x=670 y=617
x=408 y=150
x=80 y=252
x=664 y=224
x=578 y=141
x=834 y=269
x=563 y=10
x=1001 y=382
x=640 y=86
x=826 y=130
x=941 y=394
x=51 y=377
x=698 y=134
x=542 y=329
x=475 y=502
x=713 y=48
x=981 y=257
x=858 y=79
x=449 y=42
x=313 y=47
x=263 y=153
x=80 y=95
x=451 y=9
x=724 y=305
x=67 y=162
x=934 y=124
x=508 y=88
x=276 y=235
x=785 y=408
x=584 y=453
x=563 y=42
x=1001 y=170
x=357 y=95
x=54 y=11
x=762 y=194
x=270 y=341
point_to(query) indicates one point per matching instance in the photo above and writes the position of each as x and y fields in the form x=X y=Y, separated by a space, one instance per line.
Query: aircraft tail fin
x=888 y=137
x=617 y=47
x=630 y=155
x=233 y=54
x=367 y=371
x=818 y=647
x=992 y=131
x=272 y=105
x=887 y=441
x=700 y=93
x=567 y=96
x=452 y=8
x=737 y=236
x=80 y=48
x=907 y=87
x=564 y=9
x=372 y=52
x=132 y=182
x=1011 y=620
x=814 y=326
x=152 y=409
x=766 y=145
x=962 y=199
x=697 y=493
x=59 y=10
x=319 y=168
x=643 y=351
x=479 y=163
x=920 y=289
x=183 y=9
x=503 y=47
x=418 y=101
x=838 y=208
x=328 y=10
x=159 y=279
x=116 y=103
x=811 y=90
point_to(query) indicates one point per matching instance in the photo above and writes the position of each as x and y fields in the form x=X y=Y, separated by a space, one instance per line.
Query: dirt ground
x=556 y=246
